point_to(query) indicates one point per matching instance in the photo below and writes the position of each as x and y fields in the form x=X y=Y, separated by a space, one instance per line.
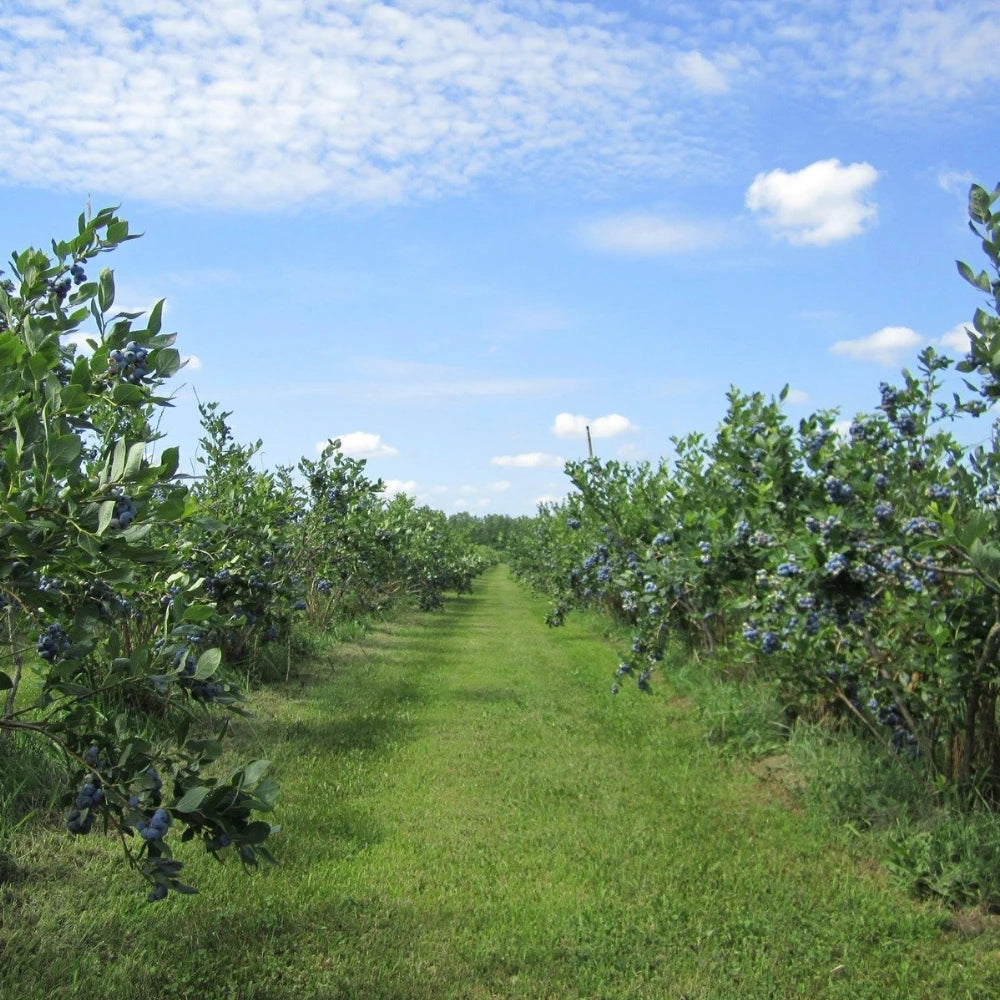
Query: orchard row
x=130 y=591
x=858 y=567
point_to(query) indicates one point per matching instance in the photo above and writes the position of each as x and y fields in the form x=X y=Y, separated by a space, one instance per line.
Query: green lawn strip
x=467 y=812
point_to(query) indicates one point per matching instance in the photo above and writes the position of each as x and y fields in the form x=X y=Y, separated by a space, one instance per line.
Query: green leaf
x=39 y=365
x=254 y=771
x=981 y=280
x=64 y=450
x=211 y=524
x=192 y=798
x=979 y=204
x=198 y=613
x=105 y=513
x=256 y=833
x=136 y=533
x=134 y=461
x=208 y=662
x=118 y=461
x=118 y=231
x=169 y=461
x=125 y=392
x=171 y=509
x=266 y=794
x=74 y=690
x=155 y=319
x=14 y=512
x=106 y=289
x=74 y=398
x=168 y=362
x=986 y=559
x=976 y=527
x=11 y=349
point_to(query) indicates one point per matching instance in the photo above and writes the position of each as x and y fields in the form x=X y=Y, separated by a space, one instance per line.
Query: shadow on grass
x=377 y=723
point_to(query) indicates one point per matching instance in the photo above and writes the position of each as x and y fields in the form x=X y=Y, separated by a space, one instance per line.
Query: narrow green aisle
x=467 y=812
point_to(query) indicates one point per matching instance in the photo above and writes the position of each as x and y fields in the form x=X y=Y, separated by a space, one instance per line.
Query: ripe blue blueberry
x=836 y=564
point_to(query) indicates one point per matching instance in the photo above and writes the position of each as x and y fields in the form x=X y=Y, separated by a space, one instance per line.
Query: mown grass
x=468 y=813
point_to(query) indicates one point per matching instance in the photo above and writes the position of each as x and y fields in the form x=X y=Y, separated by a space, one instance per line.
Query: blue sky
x=452 y=233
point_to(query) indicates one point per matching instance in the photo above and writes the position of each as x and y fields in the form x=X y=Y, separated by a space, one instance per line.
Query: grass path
x=468 y=813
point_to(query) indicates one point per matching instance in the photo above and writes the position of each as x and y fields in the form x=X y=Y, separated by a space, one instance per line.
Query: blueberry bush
x=855 y=564
x=85 y=511
x=132 y=593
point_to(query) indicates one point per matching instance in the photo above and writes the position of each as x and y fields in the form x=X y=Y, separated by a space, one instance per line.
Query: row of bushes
x=131 y=590
x=859 y=568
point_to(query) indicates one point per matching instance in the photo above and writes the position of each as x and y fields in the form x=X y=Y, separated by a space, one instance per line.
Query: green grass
x=468 y=813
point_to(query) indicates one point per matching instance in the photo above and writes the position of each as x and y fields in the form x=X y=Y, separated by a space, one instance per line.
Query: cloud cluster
x=956 y=340
x=569 y=425
x=822 y=203
x=893 y=345
x=287 y=102
x=643 y=234
x=468 y=496
x=797 y=397
x=362 y=444
x=393 y=487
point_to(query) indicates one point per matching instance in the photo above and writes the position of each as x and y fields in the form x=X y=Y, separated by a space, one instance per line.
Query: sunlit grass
x=467 y=812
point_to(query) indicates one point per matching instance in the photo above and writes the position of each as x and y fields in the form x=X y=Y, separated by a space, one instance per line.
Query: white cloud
x=393 y=487
x=547 y=498
x=920 y=53
x=957 y=339
x=796 y=397
x=79 y=341
x=500 y=486
x=529 y=460
x=955 y=181
x=702 y=73
x=191 y=362
x=888 y=346
x=569 y=425
x=362 y=444
x=281 y=103
x=288 y=102
x=651 y=235
x=820 y=204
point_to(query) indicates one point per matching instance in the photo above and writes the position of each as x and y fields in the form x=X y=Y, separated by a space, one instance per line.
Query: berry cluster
x=53 y=643
x=90 y=795
x=155 y=828
x=125 y=512
x=207 y=690
x=838 y=491
x=59 y=289
x=130 y=363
